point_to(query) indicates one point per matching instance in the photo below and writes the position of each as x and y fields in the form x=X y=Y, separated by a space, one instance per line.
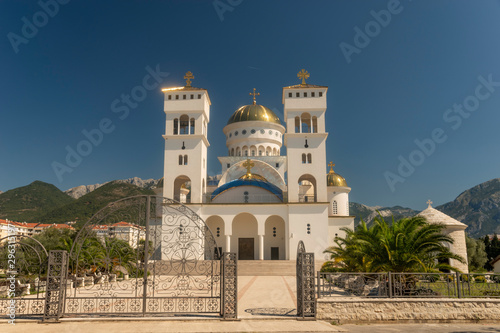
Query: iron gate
x=23 y=263
x=306 y=295
x=144 y=255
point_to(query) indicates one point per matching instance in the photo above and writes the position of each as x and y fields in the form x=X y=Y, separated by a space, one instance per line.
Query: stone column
x=261 y=247
x=228 y=243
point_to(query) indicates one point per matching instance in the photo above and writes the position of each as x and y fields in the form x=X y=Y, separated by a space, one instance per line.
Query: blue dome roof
x=249 y=182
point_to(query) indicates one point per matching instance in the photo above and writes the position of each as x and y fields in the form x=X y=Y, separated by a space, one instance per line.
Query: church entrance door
x=245 y=249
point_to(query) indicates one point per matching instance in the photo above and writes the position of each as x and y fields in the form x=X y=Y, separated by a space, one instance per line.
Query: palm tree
x=406 y=245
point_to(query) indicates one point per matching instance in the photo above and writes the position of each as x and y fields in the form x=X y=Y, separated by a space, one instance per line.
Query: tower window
x=192 y=96
x=303 y=158
x=169 y=97
x=309 y=158
x=274 y=231
x=176 y=96
x=320 y=94
x=191 y=126
x=290 y=95
x=313 y=94
x=334 y=207
x=305 y=94
x=176 y=126
x=199 y=96
x=308 y=229
x=277 y=165
x=180 y=159
x=228 y=165
x=297 y=94
x=185 y=159
x=183 y=96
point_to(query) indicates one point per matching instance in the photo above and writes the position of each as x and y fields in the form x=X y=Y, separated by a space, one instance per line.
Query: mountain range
x=478 y=207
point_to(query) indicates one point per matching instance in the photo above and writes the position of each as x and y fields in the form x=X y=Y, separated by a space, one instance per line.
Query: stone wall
x=355 y=310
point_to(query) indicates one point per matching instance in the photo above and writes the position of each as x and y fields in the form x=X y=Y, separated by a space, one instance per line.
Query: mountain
x=369 y=213
x=83 y=208
x=478 y=207
x=79 y=191
x=26 y=203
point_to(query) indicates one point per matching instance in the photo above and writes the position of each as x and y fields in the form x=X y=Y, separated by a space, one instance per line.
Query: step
x=269 y=267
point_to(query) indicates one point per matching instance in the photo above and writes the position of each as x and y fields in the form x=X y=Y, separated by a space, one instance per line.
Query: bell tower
x=305 y=140
x=187 y=112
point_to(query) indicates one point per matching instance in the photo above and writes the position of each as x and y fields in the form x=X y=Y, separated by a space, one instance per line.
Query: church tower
x=187 y=112
x=305 y=140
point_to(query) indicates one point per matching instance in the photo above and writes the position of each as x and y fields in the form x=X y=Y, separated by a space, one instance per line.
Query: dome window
x=236 y=133
x=252 y=131
x=262 y=131
x=270 y=132
x=244 y=132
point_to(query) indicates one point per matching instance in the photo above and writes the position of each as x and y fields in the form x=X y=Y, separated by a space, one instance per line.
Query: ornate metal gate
x=306 y=295
x=23 y=263
x=144 y=255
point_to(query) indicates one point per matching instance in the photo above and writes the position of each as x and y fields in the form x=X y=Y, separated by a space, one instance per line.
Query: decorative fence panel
x=306 y=296
x=407 y=285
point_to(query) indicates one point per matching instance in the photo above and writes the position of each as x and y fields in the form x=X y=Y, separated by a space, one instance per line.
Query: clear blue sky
x=395 y=90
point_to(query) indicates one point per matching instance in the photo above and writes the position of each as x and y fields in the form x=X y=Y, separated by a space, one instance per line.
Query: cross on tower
x=254 y=94
x=249 y=165
x=429 y=202
x=303 y=74
x=331 y=165
x=189 y=76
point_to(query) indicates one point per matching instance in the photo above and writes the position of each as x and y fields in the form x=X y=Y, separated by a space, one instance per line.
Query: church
x=263 y=202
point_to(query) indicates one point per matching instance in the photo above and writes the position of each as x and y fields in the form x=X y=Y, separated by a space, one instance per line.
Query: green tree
x=476 y=254
x=406 y=245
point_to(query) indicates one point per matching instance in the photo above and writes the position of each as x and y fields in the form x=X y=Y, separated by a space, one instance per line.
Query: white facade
x=264 y=202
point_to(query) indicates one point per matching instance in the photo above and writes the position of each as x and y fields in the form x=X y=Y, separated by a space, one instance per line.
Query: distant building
x=496 y=264
x=455 y=229
x=28 y=228
x=125 y=231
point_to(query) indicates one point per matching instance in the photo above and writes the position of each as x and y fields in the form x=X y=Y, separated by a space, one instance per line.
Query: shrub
x=329 y=267
x=479 y=279
x=495 y=278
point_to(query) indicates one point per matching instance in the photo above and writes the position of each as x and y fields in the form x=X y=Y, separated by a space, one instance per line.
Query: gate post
x=306 y=293
x=229 y=288
x=56 y=286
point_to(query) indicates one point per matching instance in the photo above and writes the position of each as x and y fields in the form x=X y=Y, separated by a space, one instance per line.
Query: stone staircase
x=268 y=267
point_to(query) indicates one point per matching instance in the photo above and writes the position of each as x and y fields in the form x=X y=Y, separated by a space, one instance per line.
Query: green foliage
x=479 y=279
x=330 y=267
x=406 y=245
x=27 y=203
x=476 y=254
x=492 y=249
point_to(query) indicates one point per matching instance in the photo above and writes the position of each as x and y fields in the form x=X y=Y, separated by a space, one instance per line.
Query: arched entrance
x=216 y=225
x=274 y=239
x=245 y=238
x=168 y=263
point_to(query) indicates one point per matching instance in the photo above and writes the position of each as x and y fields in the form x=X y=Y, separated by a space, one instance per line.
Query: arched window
x=309 y=158
x=184 y=124
x=232 y=151
x=185 y=159
x=305 y=120
x=315 y=124
x=176 y=126
x=191 y=126
x=347 y=208
x=334 y=207
x=297 y=124
x=303 y=158
x=244 y=150
x=180 y=159
x=238 y=152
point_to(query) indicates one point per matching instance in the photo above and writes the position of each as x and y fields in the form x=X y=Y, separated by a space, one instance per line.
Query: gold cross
x=249 y=165
x=331 y=165
x=429 y=202
x=188 y=78
x=254 y=94
x=303 y=74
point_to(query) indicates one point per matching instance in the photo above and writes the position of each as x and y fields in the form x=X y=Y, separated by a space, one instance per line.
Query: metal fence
x=407 y=285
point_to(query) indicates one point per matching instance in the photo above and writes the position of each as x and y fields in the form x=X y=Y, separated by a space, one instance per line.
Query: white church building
x=264 y=202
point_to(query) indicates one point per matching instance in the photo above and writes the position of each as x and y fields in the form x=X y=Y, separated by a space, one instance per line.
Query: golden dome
x=334 y=179
x=254 y=112
x=253 y=176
